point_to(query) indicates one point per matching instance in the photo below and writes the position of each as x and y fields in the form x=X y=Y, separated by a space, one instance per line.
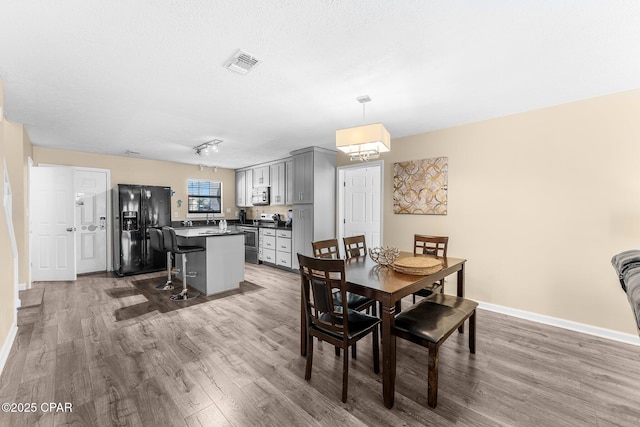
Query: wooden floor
x=236 y=361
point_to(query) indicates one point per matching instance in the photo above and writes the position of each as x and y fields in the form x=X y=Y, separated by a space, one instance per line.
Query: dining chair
x=328 y=249
x=171 y=245
x=355 y=246
x=429 y=323
x=430 y=245
x=325 y=319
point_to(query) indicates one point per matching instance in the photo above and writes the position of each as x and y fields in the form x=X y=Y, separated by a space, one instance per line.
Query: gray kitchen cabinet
x=268 y=245
x=244 y=187
x=278 y=183
x=288 y=173
x=302 y=232
x=241 y=189
x=283 y=248
x=303 y=177
x=261 y=176
x=249 y=186
x=314 y=202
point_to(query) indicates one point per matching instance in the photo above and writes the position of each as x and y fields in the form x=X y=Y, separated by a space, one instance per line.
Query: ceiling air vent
x=242 y=62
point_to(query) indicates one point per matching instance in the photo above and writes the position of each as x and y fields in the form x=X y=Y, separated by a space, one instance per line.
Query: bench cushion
x=430 y=321
x=453 y=301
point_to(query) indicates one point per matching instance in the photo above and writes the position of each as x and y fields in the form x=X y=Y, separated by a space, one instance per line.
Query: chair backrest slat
x=355 y=246
x=430 y=245
x=326 y=249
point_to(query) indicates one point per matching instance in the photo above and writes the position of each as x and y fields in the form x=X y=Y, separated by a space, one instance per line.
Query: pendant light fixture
x=365 y=142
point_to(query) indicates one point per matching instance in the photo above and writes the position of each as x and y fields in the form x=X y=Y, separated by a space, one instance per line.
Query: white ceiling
x=112 y=76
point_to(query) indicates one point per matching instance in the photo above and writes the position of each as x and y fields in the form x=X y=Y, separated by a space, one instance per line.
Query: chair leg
x=338 y=351
x=414 y=298
x=345 y=375
x=376 y=351
x=307 y=371
x=472 y=333
x=432 y=382
x=169 y=268
x=353 y=351
x=184 y=272
x=168 y=285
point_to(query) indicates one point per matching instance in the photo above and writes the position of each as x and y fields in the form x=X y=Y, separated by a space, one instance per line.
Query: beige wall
x=127 y=170
x=7 y=296
x=18 y=151
x=539 y=202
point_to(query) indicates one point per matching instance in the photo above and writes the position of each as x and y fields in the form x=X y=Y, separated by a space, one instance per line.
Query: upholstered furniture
x=429 y=323
x=627 y=266
x=329 y=249
x=326 y=319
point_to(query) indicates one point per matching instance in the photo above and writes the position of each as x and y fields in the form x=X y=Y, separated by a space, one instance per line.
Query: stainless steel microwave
x=260 y=196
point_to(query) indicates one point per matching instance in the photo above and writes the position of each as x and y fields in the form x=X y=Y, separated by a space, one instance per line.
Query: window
x=204 y=196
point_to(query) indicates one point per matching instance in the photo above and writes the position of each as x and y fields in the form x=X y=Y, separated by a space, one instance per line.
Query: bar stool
x=171 y=245
x=157 y=243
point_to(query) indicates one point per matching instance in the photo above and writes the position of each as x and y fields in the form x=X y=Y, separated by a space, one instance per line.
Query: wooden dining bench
x=429 y=323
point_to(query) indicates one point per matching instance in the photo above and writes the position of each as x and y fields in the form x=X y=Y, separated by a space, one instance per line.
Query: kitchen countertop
x=211 y=231
x=265 y=226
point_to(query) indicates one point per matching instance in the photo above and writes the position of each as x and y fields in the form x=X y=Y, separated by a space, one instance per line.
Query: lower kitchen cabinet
x=283 y=248
x=269 y=246
x=302 y=232
x=276 y=247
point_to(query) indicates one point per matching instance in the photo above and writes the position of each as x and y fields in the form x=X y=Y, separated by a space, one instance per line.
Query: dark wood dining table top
x=386 y=285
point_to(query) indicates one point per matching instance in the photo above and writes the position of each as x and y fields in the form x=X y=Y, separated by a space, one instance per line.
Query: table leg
x=461 y=291
x=388 y=354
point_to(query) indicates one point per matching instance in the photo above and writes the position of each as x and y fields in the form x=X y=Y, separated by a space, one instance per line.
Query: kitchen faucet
x=213 y=220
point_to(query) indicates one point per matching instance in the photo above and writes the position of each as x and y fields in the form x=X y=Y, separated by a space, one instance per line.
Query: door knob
x=71 y=229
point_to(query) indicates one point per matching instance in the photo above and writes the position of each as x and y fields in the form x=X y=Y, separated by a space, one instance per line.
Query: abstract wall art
x=420 y=186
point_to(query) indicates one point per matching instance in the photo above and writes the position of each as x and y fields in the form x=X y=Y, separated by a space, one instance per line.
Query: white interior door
x=52 y=219
x=90 y=189
x=362 y=208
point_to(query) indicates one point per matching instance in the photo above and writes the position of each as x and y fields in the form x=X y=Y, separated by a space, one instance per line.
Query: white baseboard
x=562 y=323
x=22 y=286
x=8 y=343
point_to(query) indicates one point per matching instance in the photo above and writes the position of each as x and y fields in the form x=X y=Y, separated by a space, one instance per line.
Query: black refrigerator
x=136 y=208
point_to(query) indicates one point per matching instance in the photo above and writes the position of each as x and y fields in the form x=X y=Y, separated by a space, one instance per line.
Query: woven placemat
x=418 y=266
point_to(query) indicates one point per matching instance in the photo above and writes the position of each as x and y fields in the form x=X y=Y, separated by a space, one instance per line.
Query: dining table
x=387 y=286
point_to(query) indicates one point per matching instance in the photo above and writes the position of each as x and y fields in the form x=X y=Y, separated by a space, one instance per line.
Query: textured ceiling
x=112 y=76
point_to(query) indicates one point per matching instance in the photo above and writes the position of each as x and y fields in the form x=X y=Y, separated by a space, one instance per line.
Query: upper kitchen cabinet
x=288 y=173
x=313 y=170
x=244 y=187
x=241 y=188
x=249 y=187
x=278 y=183
x=303 y=177
x=261 y=176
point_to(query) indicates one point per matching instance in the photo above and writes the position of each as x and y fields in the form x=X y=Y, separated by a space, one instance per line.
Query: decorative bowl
x=385 y=255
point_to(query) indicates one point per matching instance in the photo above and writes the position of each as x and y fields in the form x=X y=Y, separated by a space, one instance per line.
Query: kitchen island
x=221 y=266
